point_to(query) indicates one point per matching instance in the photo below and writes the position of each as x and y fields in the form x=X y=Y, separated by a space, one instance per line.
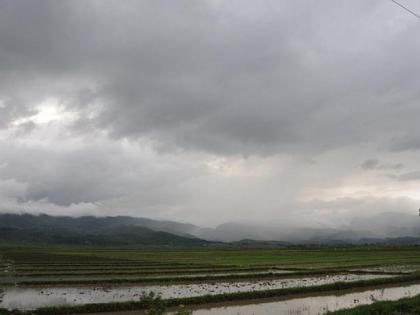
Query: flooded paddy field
x=37 y=278
x=311 y=305
x=103 y=278
x=31 y=298
x=45 y=270
x=403 y=269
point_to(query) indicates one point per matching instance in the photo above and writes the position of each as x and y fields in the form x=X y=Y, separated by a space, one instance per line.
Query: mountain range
x=131 y=231
x=106 y=231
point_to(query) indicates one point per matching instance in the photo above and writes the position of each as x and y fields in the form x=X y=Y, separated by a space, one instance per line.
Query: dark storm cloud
x=240 y=78
x=172 y=100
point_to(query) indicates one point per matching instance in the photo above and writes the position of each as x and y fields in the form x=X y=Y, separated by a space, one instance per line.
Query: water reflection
x=391 y=268
x=314 y=305
x=30 y=298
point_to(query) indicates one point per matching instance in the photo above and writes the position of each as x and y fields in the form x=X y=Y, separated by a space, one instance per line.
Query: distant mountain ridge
x=106 y=231
x=383 y=226
x=386 y=228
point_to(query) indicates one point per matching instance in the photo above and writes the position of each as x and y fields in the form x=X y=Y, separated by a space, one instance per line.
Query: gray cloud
x=214 y=78
x=77 y=172
x=171 y=102
x=374 y=164
x=370 y=164
x=410 y=176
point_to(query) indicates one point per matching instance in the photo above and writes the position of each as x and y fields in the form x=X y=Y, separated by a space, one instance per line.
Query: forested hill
x=107 y=231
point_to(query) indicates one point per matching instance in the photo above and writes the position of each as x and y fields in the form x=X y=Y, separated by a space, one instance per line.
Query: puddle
x=391 y=268
x=31 y=298
x=314 y=305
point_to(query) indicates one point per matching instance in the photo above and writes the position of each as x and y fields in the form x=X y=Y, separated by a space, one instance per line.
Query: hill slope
x=108 y=231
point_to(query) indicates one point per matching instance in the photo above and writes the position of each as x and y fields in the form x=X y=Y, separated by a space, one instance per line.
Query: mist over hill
x=107 y=231
x=130 y=231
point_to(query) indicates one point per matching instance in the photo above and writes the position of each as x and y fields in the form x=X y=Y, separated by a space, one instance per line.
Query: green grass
x=114 y=263
x=65 y=259
x=139 y=272
x=308 y=258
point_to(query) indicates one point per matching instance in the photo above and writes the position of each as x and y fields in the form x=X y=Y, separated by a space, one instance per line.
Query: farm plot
x=34 y=268
x=316 y=305
x=31 y=298
x=39 y=277
x=312 y=258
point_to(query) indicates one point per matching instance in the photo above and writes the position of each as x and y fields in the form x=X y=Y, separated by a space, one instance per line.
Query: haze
x=297 y=113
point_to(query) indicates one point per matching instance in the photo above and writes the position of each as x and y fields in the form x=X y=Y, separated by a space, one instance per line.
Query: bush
x=183 y=311
x=153 y=303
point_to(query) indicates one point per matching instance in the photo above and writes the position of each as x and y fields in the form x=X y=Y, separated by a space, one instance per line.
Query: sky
x=210 y=111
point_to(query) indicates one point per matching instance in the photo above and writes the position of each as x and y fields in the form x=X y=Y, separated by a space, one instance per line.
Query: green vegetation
x=288 y=258
x=73 y=266
x=137 y=272
x=308 y=258
x=183 y=311
x=153 y=303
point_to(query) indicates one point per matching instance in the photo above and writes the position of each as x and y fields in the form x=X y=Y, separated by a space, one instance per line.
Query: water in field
x=391 y=268
x=314 y=305
x=83 y=277
x=31 y=298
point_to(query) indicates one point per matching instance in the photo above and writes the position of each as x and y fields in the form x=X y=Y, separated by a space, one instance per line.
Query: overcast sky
x=210 y=111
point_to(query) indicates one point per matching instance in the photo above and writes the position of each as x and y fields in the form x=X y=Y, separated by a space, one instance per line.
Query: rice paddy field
x=61 y=280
